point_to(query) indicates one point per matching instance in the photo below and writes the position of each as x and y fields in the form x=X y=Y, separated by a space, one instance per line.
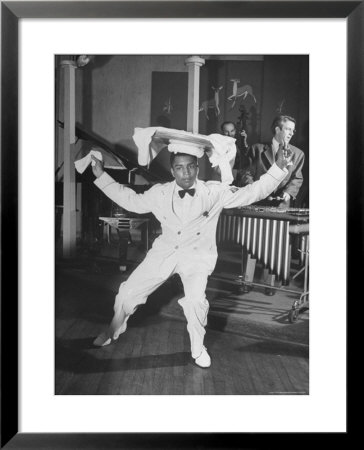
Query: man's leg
x=195 y=307
x=132 y=293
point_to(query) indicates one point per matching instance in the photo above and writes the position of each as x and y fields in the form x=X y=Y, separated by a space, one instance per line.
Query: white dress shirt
x=183 y=207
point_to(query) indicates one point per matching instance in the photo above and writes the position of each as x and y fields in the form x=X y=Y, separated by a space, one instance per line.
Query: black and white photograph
x=182 y=224
x=181 y=201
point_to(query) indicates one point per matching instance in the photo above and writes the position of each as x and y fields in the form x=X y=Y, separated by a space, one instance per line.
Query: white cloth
x=83 y=163
x=146 y=151
x=222 y=153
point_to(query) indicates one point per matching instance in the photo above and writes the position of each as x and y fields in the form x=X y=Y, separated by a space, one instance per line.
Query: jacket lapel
x=268 y=155
x=168 y=203
x=203 y=194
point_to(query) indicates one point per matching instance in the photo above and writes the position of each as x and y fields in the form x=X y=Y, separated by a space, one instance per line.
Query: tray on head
x=183 y=137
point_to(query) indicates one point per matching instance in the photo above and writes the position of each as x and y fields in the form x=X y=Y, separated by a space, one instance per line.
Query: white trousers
x=141 y=284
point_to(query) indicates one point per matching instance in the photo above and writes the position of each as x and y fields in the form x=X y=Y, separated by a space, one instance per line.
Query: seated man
x=262 y=157
x=241 y=160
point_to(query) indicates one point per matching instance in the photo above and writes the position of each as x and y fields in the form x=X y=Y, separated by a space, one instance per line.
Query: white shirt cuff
x=277 y=173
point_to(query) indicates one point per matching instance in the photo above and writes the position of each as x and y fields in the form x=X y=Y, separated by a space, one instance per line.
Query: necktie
x=182 y=193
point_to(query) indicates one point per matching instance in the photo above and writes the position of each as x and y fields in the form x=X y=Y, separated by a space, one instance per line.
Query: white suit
x=187 y=245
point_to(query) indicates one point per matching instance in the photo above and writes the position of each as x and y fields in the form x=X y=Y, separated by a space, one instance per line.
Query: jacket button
x=176 y=247
x=179 y=232
x=198 y=233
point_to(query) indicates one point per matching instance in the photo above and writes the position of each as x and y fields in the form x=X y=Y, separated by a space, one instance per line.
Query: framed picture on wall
x=45 y=419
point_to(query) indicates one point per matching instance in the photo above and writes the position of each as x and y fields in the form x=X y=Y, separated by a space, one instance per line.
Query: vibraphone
x=265 y=234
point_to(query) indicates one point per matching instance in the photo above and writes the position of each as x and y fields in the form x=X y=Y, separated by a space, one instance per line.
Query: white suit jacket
x=192 y=245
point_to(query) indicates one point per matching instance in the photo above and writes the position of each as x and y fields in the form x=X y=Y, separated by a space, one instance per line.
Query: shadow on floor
x=72 y=356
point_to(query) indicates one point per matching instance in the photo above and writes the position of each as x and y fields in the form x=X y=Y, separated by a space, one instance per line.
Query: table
x=123 y=225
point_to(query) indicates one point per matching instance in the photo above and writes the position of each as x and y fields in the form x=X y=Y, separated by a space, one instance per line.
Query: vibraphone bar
x=264 y=233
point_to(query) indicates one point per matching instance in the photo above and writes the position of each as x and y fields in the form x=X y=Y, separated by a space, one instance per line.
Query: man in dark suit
x=262 y=157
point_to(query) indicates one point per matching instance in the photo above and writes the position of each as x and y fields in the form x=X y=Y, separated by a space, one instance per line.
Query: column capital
x=194 y=60
x=68 y=63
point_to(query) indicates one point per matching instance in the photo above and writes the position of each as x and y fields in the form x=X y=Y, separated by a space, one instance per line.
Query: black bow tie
x=182 y=193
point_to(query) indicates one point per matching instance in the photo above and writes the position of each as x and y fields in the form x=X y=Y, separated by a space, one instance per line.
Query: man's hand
x=284 y=156
x=97 y=166
x=286 y=197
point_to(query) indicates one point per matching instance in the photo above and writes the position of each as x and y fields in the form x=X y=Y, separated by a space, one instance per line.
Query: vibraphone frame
x=265 y=237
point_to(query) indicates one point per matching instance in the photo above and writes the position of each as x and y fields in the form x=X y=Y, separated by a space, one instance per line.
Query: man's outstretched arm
x=234 y=198
x=118 y=193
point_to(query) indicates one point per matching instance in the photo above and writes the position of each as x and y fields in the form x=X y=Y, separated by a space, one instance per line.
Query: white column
x=194 y=63
x=69 y=183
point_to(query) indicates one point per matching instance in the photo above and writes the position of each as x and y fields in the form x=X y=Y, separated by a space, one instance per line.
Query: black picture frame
x=11 y=12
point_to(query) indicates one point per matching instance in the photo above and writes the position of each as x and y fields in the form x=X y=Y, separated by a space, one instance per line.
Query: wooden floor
x=153 y=356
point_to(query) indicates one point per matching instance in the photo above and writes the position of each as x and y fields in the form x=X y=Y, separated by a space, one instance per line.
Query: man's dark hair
x=226 y=123
x=279 y=120
x=173 y=156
